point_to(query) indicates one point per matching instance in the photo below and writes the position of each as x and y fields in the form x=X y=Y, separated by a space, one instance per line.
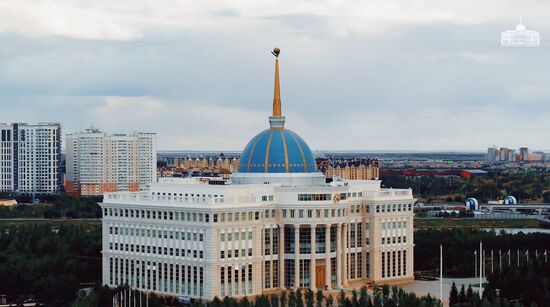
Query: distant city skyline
x=376 y=76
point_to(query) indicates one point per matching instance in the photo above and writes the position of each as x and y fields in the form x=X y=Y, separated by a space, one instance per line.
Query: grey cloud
x=440 y=85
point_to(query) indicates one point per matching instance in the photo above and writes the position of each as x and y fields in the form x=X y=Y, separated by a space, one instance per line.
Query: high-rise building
x=275 y=224
x=523 y=154
x=511 y=155
x=491 y=154
x=30 y=158
x=97 y=162
x=537 y=156
x=503 y=154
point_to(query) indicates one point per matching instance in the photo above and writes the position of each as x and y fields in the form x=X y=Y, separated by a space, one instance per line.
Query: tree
x=363 y=297
x=341 y=299
x=274 y=300
x=469 y=294
x=283 y=298
x=453 y=296
x=216 y=302
x=354 y=298
x=246 y=303
x=319 y=298
x=462 y=295
x=309 y=298
x=330 y=301
x=262 y=301
x=385 y=293
x=299 y=298
x=292 y=299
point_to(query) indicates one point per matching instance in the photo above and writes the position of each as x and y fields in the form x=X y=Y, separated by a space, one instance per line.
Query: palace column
x=328 y=277
x=312 y=277
x=282 y=256
x=344 y=255
x=338 y=255
x=296 y=256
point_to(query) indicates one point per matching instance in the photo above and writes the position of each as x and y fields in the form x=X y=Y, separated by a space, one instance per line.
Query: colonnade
x=341 y=259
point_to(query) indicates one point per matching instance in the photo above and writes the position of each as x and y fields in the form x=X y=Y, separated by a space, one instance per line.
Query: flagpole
x=475 y=263
x=492 y=271
x=500 y=260
x=480 y=269
x=441 y=272
x=484 y=264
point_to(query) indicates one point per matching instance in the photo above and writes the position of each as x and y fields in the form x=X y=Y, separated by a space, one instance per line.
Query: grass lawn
x=476 y=223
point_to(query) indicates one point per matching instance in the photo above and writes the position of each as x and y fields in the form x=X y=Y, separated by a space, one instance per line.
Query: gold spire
x=277 y=87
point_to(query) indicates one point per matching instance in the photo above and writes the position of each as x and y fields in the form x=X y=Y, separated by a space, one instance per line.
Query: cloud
x=355 y=75
x=189 y=124
x=129 y=20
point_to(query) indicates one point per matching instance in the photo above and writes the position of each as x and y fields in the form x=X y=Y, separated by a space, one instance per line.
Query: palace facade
x=275 y=224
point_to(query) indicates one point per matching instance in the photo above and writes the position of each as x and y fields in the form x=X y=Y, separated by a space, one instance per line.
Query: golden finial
x=277 y=87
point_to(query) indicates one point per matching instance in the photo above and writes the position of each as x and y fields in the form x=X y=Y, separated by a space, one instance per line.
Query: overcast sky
x=362 y=75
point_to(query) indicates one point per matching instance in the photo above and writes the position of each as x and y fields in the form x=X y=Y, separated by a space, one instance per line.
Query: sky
x=355 y=75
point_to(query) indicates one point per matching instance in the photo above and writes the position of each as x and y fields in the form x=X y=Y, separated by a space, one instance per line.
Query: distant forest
x=525 y=185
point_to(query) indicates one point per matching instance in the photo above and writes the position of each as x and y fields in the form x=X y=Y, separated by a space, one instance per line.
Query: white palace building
x=276 y=224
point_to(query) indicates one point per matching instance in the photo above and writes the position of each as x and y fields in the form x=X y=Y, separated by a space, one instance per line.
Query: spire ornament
x=277 y=120
x=277 y=87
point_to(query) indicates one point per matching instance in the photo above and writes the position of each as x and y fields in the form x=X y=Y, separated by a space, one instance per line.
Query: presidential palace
x=275 y=224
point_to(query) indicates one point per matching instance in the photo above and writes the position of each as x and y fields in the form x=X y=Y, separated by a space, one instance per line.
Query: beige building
x=355 y=169
x=97 y=162
x=275 y=224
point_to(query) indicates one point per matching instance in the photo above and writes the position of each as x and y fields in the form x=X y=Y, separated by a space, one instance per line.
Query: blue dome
x=277 y=151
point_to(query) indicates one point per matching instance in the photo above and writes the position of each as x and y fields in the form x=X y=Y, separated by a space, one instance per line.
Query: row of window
x=185 y=194
x=394 y=225
x=230 y=236
x=394 y=240
x=182 y=216
x=302 y=213
x=157 y=276
x=152 y=233
x=157 y=215
x=267 y=197
x=314 y=197
x=394 y=263
x=156 y=250
x=236 y=216
x=236 y=280
x=393 y=208
x=235 y=253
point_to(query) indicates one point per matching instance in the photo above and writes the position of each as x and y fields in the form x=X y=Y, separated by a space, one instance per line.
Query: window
x=314 y=197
